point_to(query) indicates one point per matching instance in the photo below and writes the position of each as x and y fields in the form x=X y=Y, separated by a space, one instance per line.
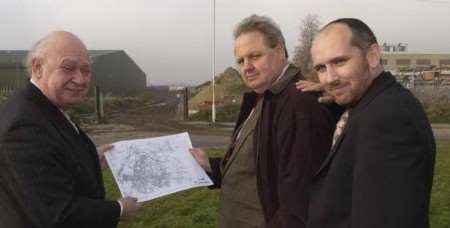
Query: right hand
x=130 y=208
x=201 y=157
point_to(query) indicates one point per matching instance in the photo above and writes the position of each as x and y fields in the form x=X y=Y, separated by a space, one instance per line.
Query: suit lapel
x=335 y=148
x=245 y=132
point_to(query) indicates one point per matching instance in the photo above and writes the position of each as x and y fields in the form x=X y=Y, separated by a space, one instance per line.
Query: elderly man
x=57 y=165
x=279 y=141
x=380 y=169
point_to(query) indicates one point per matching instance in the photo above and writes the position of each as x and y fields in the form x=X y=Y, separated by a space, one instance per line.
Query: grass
x=199 y=207
x=440 y=197
x=195 y=208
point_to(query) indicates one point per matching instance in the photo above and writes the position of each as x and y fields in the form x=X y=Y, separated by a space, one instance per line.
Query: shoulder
x=395 y=103
x=394 y=114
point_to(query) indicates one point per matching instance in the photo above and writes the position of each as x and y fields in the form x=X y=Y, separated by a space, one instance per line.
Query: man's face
x=341 y=67
x=259 y=64
x=65 y=74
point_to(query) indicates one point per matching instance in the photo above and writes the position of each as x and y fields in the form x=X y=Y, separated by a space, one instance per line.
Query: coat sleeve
x=303 y=137
x=393 y=168
x=48 y=182
x=215 y=174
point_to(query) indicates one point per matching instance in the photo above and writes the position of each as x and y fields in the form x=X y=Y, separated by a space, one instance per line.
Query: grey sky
x=171 y=39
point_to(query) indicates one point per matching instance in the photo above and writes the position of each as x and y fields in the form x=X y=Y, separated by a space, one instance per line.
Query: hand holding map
x=155 y=167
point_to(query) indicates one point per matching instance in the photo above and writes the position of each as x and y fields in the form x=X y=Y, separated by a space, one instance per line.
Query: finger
x=302 y=82
x=106 y=147
x=193 y=152
x=300 y=86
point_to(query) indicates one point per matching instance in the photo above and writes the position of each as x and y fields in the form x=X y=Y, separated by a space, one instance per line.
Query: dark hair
x=266 y=26
x=362 y=35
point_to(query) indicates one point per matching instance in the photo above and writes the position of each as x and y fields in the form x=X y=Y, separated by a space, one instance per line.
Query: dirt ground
x=202 y=134
x=441 y=131
x=158 y=119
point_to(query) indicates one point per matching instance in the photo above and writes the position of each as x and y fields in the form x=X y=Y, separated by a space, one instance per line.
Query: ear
x=373 y=56
x=36 y=67
x=280 y=48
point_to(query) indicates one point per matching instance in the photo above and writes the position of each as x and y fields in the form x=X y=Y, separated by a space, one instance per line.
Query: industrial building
x=403 y=61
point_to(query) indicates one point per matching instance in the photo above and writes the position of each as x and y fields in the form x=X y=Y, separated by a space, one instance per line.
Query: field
x=197 y=208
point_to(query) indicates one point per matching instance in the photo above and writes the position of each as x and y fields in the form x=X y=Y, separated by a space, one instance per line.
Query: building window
x=384 y=62
x=444 y=62
x=423 y=62
x=403 y=62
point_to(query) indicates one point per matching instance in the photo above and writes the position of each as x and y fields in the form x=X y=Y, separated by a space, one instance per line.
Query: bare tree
x=302 y=57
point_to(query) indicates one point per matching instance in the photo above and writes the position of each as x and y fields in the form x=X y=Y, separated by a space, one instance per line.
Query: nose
x=81 y=78
x=247 y=67
x=331 y=76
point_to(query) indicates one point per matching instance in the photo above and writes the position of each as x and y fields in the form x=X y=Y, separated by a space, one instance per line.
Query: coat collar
x=284 y=79
x=381 y=82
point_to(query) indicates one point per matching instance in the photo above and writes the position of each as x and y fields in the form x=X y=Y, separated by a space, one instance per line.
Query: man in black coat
x=280 y=139
x=58 y=167
x=380 y=169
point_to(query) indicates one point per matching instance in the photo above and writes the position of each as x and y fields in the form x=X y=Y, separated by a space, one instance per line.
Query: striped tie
x=340 y=127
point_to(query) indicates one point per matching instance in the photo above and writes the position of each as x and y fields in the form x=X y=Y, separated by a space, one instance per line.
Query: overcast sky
x=171 y=40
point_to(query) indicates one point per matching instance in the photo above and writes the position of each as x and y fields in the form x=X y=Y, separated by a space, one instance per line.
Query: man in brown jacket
x=280 y=138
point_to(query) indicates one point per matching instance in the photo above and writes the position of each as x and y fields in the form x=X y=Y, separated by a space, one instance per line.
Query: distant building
x=418 y=69
x=400 y=47
x=113 y=70
x=408 y=61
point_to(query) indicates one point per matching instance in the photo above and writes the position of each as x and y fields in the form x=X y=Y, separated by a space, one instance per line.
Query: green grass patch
x=198 y=208
x=440 y=197
x=195 y=208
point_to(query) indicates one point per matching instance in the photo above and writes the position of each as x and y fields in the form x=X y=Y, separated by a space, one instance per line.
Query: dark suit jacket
x=379 y=173
x=292 y=138
x=13 y=212
x=58 y=169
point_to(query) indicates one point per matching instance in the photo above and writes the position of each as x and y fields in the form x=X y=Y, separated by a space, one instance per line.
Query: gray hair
x=38 y=51
x=266 y=26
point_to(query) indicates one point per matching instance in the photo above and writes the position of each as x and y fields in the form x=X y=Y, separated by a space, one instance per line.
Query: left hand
x=308 y=86
x=101 y=154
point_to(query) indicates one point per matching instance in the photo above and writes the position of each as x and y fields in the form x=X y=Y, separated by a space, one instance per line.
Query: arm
x=47 y=176
x=101 y=150
x=210 y=165
x=214 y=173
x=309 y=86
x=303 y=138
x=393 y=170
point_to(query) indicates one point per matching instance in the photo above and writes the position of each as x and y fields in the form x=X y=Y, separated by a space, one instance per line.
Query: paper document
x=155 y=167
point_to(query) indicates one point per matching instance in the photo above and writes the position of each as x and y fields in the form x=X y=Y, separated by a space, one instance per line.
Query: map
x=154 y=167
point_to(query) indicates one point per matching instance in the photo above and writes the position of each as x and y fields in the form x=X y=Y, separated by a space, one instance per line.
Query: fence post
x=99 y=104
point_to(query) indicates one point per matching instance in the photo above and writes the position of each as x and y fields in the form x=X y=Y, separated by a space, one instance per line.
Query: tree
x=302 y=57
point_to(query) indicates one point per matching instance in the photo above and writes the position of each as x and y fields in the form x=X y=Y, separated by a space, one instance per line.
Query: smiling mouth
x=251 y=77
x=77 y=90
x=337 y=91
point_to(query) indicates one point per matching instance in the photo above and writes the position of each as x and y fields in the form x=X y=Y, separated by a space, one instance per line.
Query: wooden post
x=186 y=104
x=99 y=104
